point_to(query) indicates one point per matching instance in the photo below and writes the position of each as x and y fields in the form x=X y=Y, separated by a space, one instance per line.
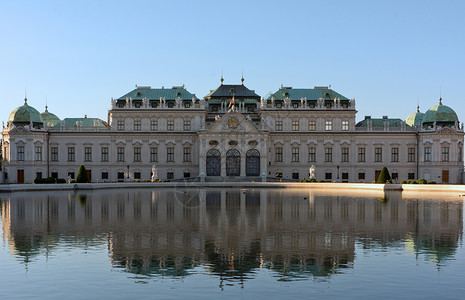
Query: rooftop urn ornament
x=154 y=173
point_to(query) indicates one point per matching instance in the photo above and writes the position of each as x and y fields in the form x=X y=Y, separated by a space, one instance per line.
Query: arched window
x=213 y=162
x=252 y=163
x=233 y=163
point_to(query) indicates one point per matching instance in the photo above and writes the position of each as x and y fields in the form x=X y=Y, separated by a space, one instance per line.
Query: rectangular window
x=20 y=156
x=104 y=175
x=39 y=175
x=120 y=175
x=104 y=151
x=295 y=154
x=278 y=174
x=444 y=153
x=170 y=125
x=345 y=154
x=54 y=154
x=120 y=153
x=38 y=153
x=361 y=154
x=55 y=175
x=120 y=125
x=312 y=154
x=345 y=125
x=427 y=153
x=279 y=126
x=311 y=125
x=187 y=125
x=361 y=176
x=411 y=176
x=154 y=125
x=137 y=154
x=295 y=175
x=187 y=174
x=170 y=175
x=328 y=125
x=279 y=154
x=187 y=154
x=345 y=176
x=295 y=125
x=153 y=154
x=71 y=175
x=328 y=176
x=395 y=176
x=87 y=153
x=394 y=154
x=378 y=154
x=411 y=154
x=137 y=125
x=71 y=154
x=328 y=154
x=460 y=154
x=137 y=175
x=170 y=154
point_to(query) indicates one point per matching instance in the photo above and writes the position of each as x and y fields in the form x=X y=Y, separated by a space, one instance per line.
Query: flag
x=232 y=102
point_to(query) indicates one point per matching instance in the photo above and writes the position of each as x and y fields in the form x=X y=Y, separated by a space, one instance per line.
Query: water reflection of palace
x=231 y=232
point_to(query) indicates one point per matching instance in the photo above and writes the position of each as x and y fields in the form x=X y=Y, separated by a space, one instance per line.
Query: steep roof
x=379 y=122
x=440 y=113
x=310 y=94
x=415 y=119
x=25 y=114
x=155 y=94
x=228 y=90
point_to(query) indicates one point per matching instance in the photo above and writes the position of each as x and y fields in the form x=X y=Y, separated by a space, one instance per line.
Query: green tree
x=383 y=176
x=82 y=175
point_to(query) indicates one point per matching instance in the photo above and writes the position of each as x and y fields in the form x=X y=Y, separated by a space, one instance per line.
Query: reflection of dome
x=49 y=119
x=441 y=114
x=26 y=114
x=415 y=119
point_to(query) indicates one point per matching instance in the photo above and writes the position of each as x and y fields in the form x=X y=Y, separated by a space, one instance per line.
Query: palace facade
x=233 y=134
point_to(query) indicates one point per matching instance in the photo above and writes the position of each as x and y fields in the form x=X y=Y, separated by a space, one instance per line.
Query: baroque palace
x=233 y=134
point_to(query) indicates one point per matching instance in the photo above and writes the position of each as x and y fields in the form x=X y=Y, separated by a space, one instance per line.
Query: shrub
x=312 y=180
x=82 y=175
x=422 y=181
x=403 y=182
x=384 y=176
x=389 y=181
x=48 y=180
x=61 y=180
x=432 y=182
x=72 y=181
x=320 y=181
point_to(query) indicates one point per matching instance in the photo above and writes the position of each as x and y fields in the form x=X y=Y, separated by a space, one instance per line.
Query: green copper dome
x=440 y=114
x=49 y=119
x=23 y=115
x=415 y=119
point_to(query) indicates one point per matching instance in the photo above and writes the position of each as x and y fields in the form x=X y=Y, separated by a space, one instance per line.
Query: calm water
x=202 y=243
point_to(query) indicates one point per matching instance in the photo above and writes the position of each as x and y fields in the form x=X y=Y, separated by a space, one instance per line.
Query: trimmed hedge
x=384 y=176
x=82 y=175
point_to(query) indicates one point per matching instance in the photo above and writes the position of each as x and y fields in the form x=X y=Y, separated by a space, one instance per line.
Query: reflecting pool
x=245 y=243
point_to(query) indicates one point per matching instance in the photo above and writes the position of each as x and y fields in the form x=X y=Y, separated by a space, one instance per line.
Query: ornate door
x=20 y=176
x=233 y=163
x=252 y=163
x=213 y=162
x=445 y=176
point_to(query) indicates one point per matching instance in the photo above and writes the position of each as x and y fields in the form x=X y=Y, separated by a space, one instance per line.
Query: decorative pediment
x=19 y=130
x=445 y=130
x=233 y=122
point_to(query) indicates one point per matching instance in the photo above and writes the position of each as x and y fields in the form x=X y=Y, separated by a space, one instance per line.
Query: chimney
x=385 y=117
x=367 y=117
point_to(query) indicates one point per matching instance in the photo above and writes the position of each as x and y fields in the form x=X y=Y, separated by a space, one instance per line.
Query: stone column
x=243 y=164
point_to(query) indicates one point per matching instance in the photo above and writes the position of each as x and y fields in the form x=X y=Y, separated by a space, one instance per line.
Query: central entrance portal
x=252 y=163
x=213 y=162
x=233 y=163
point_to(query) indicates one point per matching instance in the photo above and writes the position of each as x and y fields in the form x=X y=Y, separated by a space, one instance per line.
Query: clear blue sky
x=79 y=54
